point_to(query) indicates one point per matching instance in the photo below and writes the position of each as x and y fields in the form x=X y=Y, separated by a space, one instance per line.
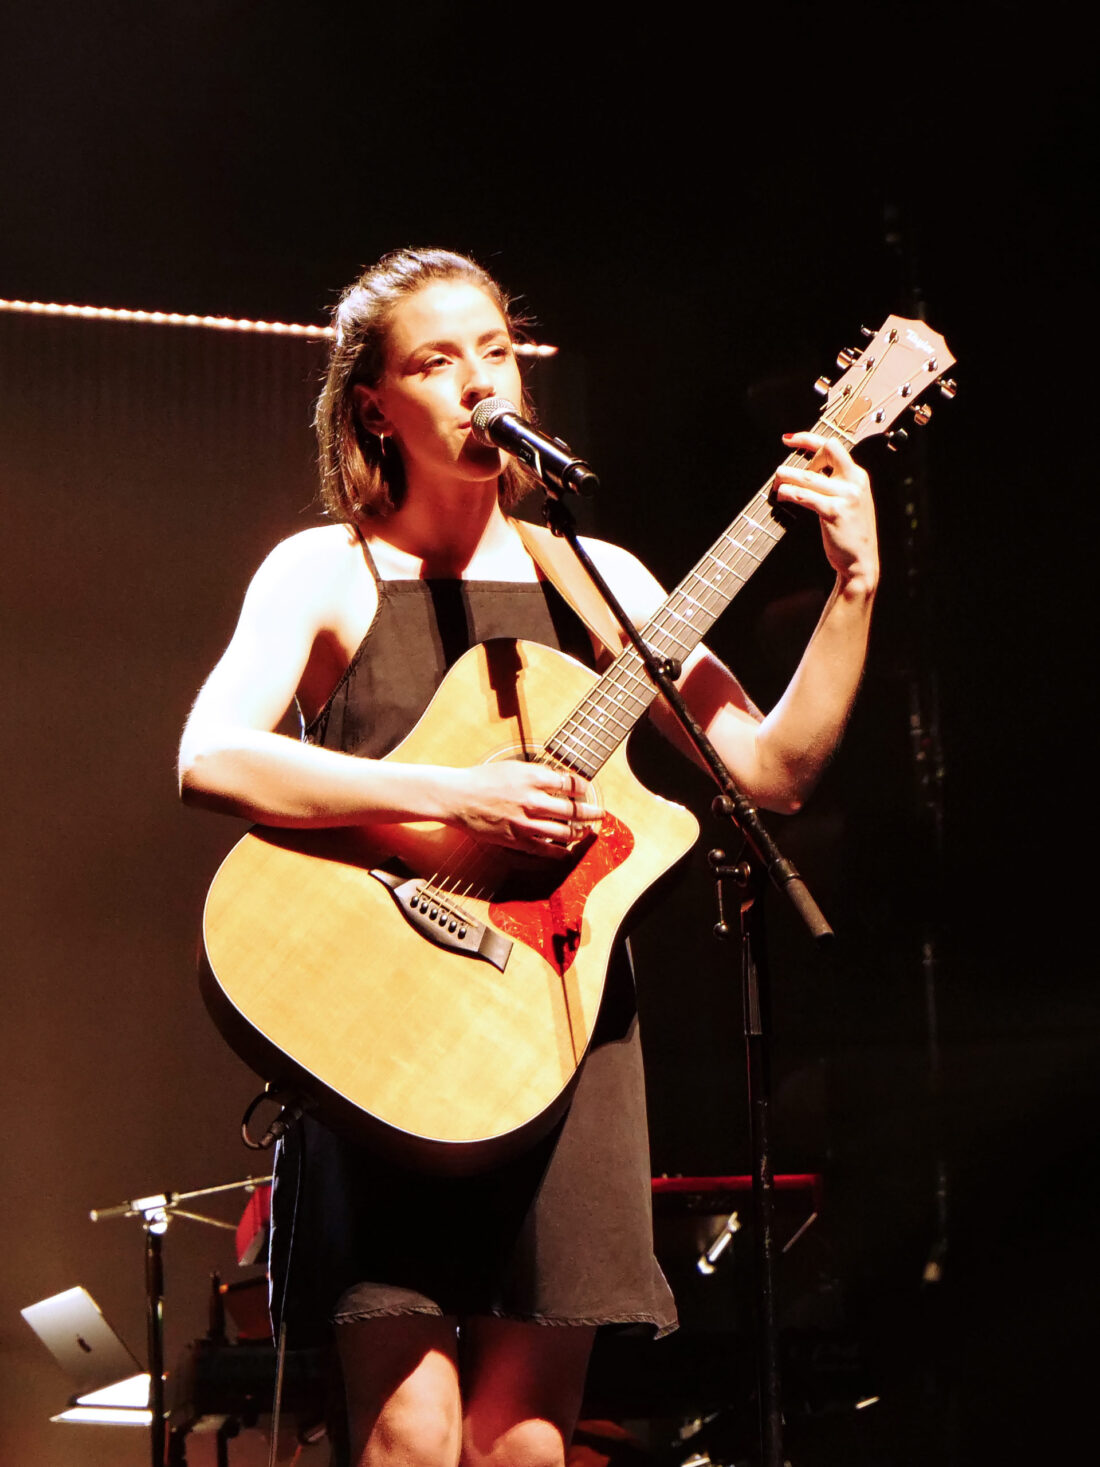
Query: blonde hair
x=362 y=474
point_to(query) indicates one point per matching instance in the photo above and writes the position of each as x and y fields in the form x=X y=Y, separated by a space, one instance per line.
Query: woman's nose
x=479 y=382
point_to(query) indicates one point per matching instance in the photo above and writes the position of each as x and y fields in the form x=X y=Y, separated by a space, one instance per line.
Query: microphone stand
x=764 y=859
x=156 y=1213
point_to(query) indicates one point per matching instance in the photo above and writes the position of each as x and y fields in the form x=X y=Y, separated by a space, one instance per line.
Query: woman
x=442 y=1293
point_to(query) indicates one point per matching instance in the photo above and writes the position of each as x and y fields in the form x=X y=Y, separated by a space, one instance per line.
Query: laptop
x=74 y=1331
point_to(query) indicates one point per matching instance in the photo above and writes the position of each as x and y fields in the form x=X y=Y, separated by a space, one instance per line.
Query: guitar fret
x=570 y=760
x=746 y=551
x=608 y=717
x=762 y=528
x=708 y=611
x=670 y=636
x=597 y=728
x=608 y=712
x=619 y=691
x=683 y=595
x=606 y=738
x=573 y=760
x=739 y=555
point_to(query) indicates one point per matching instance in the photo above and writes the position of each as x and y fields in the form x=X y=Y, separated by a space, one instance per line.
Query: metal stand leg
x=154 y=1320
x=755 y=1011
x=759 y=1086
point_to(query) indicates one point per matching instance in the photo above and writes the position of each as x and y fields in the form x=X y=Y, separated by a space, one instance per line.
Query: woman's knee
x=417 y=1426
x=402 y=1392
x=531 y=1443
x=523 y=1387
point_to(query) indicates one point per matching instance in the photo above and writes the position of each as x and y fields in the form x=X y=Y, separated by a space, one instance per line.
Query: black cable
x=280 y=1355
x=291 y=1109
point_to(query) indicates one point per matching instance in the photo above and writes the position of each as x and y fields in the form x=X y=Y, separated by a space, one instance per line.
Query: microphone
x=496 y=422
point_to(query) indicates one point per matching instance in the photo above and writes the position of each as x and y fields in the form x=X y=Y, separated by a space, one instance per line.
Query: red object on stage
x=785 y=1182
x=252 y=1230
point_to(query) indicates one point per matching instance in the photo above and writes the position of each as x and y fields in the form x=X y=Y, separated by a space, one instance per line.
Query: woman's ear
x=368 y=411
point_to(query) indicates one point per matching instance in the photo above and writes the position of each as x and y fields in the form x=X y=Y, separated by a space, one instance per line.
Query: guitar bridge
x=445 y=925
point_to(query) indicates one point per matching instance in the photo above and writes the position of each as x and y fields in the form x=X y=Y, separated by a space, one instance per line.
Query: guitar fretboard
x=600 y=723
x=903 y=358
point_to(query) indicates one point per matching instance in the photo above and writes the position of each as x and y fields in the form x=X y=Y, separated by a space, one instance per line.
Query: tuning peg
x=866 y=331
x=922 y=414
x=895 y=438
x=847 y=357
x=949 y=387
x=822 y=385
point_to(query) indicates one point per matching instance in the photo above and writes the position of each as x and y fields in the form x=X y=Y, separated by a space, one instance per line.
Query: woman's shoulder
x=631 y=580
x=312 y=555
x=316 y=570
x=327 y=545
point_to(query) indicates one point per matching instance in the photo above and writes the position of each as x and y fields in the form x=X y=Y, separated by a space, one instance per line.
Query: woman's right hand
x=535 y=808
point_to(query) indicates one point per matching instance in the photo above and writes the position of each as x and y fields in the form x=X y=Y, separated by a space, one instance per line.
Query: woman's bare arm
x=231 y=759
x=778 y=758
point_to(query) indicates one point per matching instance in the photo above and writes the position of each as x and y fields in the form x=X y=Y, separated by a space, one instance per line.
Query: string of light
x=209 y=323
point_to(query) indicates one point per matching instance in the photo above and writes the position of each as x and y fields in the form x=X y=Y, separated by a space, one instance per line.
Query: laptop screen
x=74 y=1331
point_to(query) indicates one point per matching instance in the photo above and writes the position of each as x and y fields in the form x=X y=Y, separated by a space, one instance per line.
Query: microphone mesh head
x=486 y=413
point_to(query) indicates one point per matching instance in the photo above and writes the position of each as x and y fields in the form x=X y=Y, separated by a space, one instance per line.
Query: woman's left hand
x=839 y=493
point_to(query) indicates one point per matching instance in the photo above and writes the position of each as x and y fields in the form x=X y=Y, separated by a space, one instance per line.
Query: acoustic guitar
x=436 y=995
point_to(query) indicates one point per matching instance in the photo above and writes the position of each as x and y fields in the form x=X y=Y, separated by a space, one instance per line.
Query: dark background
x=700 y=209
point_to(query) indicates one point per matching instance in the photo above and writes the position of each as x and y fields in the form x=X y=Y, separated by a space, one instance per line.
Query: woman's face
x=448 y=349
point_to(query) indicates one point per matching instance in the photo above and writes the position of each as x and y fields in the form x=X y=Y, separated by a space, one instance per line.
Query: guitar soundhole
x=545 y=909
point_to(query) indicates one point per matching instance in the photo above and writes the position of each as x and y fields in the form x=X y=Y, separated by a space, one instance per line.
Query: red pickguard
x=551 y=925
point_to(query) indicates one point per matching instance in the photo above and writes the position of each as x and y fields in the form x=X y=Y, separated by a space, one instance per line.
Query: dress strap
x=563 y=570
x=367 y=556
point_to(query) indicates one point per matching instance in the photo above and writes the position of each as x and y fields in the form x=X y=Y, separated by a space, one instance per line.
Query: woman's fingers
x=831 y=479
x=533 y=807
x=566 y=799
x=838 y=491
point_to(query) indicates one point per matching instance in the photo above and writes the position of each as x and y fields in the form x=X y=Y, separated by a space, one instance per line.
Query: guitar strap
x=555 y=559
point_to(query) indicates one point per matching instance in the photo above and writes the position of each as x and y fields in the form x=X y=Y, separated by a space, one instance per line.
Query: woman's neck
x=452 y=536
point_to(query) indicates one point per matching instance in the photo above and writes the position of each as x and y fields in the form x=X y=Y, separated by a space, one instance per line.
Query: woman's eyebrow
x=446 y=344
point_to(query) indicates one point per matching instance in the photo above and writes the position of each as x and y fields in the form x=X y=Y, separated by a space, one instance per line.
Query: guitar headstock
x=891 y=374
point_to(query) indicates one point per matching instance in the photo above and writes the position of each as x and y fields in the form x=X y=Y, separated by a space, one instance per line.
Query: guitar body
x=443 y=1058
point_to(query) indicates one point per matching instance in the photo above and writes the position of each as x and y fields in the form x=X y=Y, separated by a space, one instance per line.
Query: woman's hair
x=362 y=474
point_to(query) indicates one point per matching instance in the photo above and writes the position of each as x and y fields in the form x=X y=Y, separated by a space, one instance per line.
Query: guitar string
x=711 y=590
x=467 y=869
x=586 y=726
x=618 y=679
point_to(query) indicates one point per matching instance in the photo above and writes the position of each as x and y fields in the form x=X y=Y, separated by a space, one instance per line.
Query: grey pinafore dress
x=563 y=1234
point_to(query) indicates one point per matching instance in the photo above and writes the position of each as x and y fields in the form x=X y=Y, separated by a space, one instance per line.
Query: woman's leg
x=402 y=1387
x=522 y=1386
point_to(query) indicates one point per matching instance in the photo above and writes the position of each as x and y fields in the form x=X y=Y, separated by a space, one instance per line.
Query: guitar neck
x=599 y=724
x=900 y=362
